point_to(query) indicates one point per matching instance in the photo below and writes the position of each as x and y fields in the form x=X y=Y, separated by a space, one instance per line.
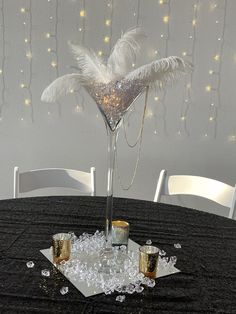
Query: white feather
x=159 y=72
x=62 y=86
x=90 y=65
x=124 y=53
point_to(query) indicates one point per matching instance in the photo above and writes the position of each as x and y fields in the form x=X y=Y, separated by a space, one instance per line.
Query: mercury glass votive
x=61 y=247
x=148 y=260
x=120 y=232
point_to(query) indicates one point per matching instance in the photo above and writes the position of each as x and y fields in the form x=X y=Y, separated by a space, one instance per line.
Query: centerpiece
x=114 y=86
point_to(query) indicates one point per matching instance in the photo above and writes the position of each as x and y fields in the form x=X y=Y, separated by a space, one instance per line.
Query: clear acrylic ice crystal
x=125 y=264
x=45 y=273
x=30 y=264
x=64 y=290
x=120 y=298
x=177 y=245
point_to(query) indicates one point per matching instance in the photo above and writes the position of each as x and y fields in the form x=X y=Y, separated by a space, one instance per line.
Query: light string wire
x=215 y=93
x=78 y=94
x=3 y=61
x=162 y=99
x=187 y=96
x=27 y=88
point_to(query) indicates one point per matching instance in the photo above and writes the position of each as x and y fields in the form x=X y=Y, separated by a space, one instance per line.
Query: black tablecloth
x=207 y=259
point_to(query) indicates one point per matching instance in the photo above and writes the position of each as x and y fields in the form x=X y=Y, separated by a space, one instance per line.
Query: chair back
x=214 y=190
x=54 y=177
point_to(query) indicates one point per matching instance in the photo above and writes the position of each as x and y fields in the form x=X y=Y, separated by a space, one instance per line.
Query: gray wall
x=55 y=135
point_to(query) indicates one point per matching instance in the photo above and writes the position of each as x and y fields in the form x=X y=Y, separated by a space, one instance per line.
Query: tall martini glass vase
x=114 y=100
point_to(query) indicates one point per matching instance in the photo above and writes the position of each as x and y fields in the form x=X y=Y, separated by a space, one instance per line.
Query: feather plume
x=124 y=53
x=159 y=72
x=62 y=86
x=90 y=65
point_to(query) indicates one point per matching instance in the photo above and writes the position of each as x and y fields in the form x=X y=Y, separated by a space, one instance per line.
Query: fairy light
x=23 y=10
x=106 y=39
x=216 y=57
x=48 y=35
x=27 y=102
x=161 y=2
x=208 y=88
x=211 y=72
x=100 y=53
x=49 y=50
x=82 y=13
x=108 y=22
x=194 y=22
x=166 y=19
x=53 y=64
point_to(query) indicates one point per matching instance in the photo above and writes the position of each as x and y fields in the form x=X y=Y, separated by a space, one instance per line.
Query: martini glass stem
x=111 y=145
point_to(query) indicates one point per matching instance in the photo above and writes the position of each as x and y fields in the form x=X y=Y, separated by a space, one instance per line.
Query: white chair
x=54 y=177
x=214 y=190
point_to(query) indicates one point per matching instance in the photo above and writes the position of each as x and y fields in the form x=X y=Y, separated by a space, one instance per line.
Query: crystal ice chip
x=64 y=290
x=173 y=260
x=162 y=253
x=139 y=289
x=151 y=283
x=149 y=242
x=45 y=273
x=120 y=298
x=177 y=245
x=30 y=264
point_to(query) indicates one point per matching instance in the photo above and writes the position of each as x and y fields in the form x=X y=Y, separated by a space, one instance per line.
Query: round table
x=207 y=259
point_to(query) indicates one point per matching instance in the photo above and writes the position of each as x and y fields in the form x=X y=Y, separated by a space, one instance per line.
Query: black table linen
x=207 y=259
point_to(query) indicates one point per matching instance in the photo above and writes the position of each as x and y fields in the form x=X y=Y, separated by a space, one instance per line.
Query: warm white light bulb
x=211 y=72
x=165 y=19
x=156 y=52
x=183 y=118
x=211 y=118
x=108 y=22
x=22 y=85
x=217 y=57
x=26 y=40
x=100 y=53
x=194 y=22
x=82 y=13
x=133 y=65
x=48 y=35
x=208 y=88
x=156 y=98
x=161 y=1
x=49 y=49
x=27 y=101
x=184 y=53
x=106 y=39
x=23 y=10
x=71 y=91
x=29 y=55
x=53 y=64
x=0 y=71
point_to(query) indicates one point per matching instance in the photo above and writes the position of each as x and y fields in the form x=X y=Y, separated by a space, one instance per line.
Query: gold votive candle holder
x=61 y=247
x=148 y=260
x=120 y=232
